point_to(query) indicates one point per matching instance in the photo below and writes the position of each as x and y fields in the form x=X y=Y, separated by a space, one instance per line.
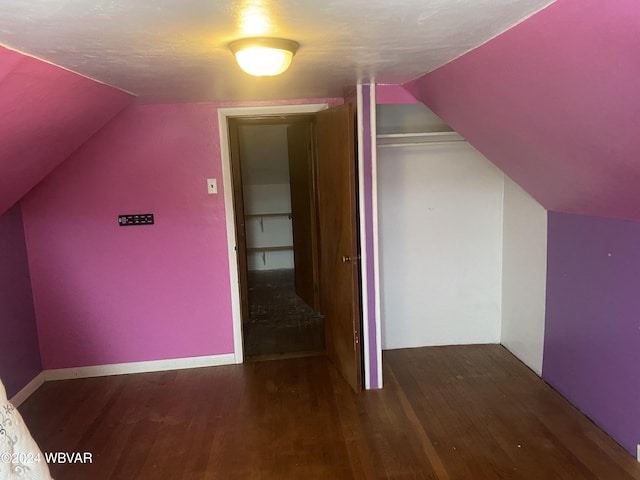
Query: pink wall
x=47 y=113
x=108 y=294
x=554 y=103
x=394 y=94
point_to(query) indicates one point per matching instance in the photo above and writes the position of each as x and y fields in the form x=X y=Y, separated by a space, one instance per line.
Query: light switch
x=212 y=186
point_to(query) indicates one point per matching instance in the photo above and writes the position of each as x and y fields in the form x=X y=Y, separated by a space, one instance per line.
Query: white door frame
x=223 y=115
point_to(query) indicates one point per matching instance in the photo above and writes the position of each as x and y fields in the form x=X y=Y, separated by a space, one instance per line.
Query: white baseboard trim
x=140 y=367
x=28 y=390
x=121 y=369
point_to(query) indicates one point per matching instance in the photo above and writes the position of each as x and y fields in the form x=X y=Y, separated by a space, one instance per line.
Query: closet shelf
x=400 y=139
x=280 y=248
x=262 y=216
x=263 y=251
x=268 y=215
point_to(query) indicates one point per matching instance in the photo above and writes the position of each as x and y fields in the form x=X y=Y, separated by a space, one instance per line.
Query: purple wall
x=19 y=351
x=592 y=331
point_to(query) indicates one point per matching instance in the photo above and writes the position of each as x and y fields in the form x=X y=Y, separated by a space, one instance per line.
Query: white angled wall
x=524 y=275
x=440 y=215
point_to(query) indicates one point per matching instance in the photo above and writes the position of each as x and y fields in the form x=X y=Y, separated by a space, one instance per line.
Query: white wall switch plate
x=212 y=186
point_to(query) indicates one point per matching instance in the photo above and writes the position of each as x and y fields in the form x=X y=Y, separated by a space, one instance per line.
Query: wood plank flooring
x=469 y=412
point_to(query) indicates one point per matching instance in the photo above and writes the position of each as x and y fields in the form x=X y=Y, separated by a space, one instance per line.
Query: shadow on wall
x=19 y=349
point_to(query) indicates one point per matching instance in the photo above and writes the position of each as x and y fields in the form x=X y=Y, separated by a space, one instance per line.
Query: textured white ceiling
x=176 y=50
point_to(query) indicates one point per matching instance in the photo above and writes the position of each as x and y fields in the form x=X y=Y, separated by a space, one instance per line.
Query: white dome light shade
x=264 y=62
x=264 y=57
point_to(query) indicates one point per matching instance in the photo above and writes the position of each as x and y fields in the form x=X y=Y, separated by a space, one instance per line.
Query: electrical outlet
x=212 y=186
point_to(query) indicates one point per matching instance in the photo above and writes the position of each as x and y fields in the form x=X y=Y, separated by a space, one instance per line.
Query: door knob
x=352 y=259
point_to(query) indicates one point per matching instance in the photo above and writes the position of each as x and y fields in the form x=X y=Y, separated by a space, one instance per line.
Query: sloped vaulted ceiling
x=555 y=103
x=47 y=113
x=175 y=51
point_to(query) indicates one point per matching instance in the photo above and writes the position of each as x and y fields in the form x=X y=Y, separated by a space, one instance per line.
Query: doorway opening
x=337 y=248
x=273 y=171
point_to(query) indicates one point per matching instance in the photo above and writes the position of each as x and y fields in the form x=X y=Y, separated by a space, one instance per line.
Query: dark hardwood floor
x=470 y=412
x=280 y=323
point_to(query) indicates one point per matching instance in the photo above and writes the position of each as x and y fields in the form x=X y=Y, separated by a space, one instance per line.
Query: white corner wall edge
x=524 y=275
x=139 y=367
x=28 y=390
x=376 y=232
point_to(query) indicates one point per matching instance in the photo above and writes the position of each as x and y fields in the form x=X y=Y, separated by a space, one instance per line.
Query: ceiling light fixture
x=264 y=56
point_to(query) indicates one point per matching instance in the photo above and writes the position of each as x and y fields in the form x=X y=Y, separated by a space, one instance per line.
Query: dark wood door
x=338 y=238
x=238 y=203
x=303 y=212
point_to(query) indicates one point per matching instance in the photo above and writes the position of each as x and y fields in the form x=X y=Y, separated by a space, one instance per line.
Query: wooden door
x=238 y=203
x=339 y=249
x=303 y=212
